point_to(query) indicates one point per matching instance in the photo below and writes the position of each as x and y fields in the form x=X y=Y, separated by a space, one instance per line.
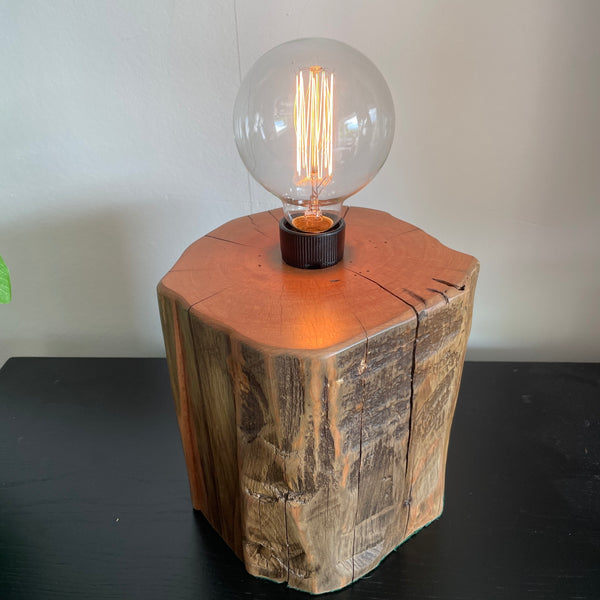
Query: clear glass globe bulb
x=313 y=122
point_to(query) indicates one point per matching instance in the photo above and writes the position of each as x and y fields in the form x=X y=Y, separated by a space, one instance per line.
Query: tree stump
x=315 y=405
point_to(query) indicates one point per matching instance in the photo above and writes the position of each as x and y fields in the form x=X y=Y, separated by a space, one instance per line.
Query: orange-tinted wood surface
x=315 y=405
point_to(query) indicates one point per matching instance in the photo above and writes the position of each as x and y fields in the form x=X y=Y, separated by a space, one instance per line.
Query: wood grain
x=315 y=406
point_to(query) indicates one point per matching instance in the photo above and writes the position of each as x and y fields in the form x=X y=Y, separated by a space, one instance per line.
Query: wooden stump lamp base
x=315 y=405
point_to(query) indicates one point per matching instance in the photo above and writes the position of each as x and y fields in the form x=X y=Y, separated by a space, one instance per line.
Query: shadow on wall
x=74 y=284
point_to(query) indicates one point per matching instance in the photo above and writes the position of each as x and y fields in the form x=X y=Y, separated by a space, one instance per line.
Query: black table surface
x=94 y=498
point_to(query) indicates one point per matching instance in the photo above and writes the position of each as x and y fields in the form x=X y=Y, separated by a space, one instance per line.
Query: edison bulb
x=313 y=123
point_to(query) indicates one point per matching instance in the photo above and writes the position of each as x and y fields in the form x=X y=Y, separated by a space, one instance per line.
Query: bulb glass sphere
x=313 y=122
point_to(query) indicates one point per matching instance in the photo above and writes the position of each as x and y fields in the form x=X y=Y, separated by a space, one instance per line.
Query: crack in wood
x=460 y=288
x=362 y=368
x=406 y=231
x=415 y=296
x=408 y=501
x=360 y=442
x=259 y=518
x=214 y=237
x=287 y=539
x=262 y=497
x=271 y=213
x=207 y=298
x=383 y=288
x=327 y=510
x=256 y=227
x=441 y=293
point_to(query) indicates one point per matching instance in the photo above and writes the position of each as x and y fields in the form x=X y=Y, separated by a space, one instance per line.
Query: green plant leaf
x=4 y=283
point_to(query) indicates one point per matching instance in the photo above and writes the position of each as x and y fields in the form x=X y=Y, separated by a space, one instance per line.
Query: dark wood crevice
x=459 y=287
x=408 y=500
x=442 y=294
x=220 y=239
x=257 y=227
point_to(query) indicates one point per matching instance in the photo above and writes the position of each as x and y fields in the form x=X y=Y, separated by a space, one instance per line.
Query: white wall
x=116 y=152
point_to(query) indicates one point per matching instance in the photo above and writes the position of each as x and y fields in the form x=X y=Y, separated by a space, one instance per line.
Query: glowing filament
x=313 y=122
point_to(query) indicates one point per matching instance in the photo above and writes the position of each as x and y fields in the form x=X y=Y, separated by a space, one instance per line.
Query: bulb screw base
x=311 y=250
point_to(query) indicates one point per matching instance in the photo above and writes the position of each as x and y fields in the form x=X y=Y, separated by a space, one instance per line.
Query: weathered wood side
x=197 y=354
x=214 y=410
x=379 y=390
x=441 y=343
x=178 y=360
x=322 y=456
x=440 y=347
